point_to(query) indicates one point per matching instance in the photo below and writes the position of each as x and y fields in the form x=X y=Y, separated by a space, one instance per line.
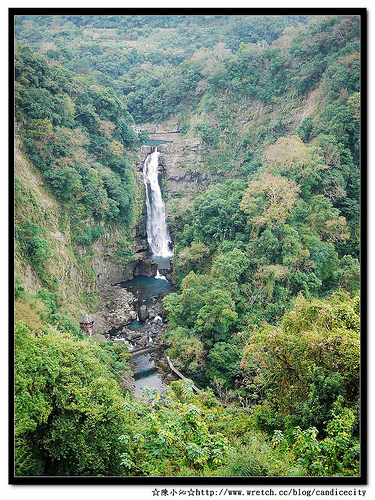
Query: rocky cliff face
x=75 y=270
x=108 y=272
x=180 y=159
x=36 y=205
x=181 y=166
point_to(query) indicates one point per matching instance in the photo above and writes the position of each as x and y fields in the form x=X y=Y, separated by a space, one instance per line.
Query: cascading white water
x=160 y=276
x=157 y=231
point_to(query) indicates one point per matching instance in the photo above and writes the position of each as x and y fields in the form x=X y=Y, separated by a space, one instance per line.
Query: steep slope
x=40 y=219
x=46 y=256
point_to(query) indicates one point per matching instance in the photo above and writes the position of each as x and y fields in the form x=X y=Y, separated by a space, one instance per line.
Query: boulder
x=119 y=341
x=146 y=267
x=157 y=321
x=143 y=313
x=144 y=341
x=122 y=319
x=133 y=315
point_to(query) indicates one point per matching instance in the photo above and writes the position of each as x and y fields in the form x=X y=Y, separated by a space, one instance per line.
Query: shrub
x=38 y=252
x=19 y=290
x=96 y=232
x=48 y=299
x=66 y=324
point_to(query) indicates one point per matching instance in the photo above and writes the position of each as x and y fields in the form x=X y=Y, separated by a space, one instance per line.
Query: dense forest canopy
x=264 y=315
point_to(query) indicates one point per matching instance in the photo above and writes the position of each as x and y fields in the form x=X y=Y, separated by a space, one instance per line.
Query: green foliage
x=217 y=318
x=192 y=258
x=66 y=182
x=335 y=455
x=325 y=388
x=209 y=311
x=223 y=363
x=315 y=347
x=48 y=299
x=349 y=274
x=124 y=251
x=216 y=213
x=183 y=308
x=65 y=323
x=38 y=251
x=174 y=438
x=269 y=200
x=187 y=350
x=76 y=132
x=275 y=102
x=209 y=135
x=19 y=290
x=97 y=231
x=340 y=447
x=258 y=459
x=34 y=247
x=68 y=409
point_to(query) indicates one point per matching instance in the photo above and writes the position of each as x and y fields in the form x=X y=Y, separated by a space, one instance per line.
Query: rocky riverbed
x=120 y=318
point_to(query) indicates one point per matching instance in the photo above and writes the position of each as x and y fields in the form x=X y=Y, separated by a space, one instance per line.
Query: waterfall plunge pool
x=144 y=288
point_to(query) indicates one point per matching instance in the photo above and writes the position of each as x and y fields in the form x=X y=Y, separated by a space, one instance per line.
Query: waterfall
x=160 y=276
x=157 y=232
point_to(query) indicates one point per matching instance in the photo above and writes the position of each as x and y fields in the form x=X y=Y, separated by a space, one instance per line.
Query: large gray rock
x=121 y=319
x=157 y=320
x=143 y=313
x=146 y=267
x=133 y=315
x=143 y=342
x=115 y=309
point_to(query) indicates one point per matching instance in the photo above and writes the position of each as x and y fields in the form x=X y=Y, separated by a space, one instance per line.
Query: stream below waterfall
x=146 y=290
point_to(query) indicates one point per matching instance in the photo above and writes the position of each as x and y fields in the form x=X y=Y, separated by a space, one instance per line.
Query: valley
x=193 y=184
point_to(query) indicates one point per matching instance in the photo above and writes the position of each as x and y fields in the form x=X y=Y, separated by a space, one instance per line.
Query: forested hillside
x=264 y=315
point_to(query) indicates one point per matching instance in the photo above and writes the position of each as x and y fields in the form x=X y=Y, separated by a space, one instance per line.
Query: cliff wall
x=181 y=166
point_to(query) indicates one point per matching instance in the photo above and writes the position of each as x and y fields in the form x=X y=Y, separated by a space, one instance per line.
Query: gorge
x=243 y=133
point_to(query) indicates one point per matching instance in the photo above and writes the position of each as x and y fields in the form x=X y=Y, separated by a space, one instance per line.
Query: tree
x=325 y=388
x=327 y=221
x=229 y=269
x=216 y=213
x=69 y=409
x=217 y=318
x=314 y=333
x=187 y=351
x=224 y=363
x=269 y=200
x=192 y=258
x=66 y=182
x=183 y=308
x=291 y=157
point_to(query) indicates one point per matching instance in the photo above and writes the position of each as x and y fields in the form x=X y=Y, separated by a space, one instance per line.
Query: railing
x=174 y=370
x=144 y=350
